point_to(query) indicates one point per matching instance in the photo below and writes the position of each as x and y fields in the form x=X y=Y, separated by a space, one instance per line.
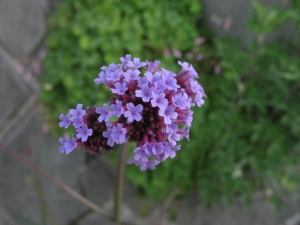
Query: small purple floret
x=168 y=113
x=104 y=112
x=119 y=88
x=117 y=109
x=84 y=132
x=68 y=145
x=78 y=112
x=65 y=120
x=133 y=112
x=145 y=93
x=136 y=63
x=77 y=121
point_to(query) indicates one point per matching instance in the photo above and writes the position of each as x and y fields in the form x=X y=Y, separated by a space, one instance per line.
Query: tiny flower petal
x=119 y=88
x=136 y=63
x=169 y=80
x=133 y=112
x=118 y=109
x=78 y=112
x=168 y=113
x=141 y=154
x=115 y=75
x=65 y=120
x=77 y=121
x=108 y=134
x=153 y=66
x=132 y=75
x=159 y=100
x=104 y=112
x=182 y=101
x=125 y=60
x=118 y=134
x=62 y=148
x=84 y=132
x=149 y=164
x=101 y=78
x=145 y=93
x=70 y=145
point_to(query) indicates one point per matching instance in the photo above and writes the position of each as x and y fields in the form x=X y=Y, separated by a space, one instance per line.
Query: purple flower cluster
x=150 y=106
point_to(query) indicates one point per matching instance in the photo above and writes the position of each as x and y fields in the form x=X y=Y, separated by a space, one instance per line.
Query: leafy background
x=246 y=136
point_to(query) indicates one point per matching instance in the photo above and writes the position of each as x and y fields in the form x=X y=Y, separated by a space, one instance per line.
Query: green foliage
x=265 y=20
x=251 y=143
x=246 y=136
x=87 y=34
x=250 y=134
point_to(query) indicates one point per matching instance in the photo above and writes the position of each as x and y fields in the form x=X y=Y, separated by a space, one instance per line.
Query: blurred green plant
x=246 y=136
x=87 y=34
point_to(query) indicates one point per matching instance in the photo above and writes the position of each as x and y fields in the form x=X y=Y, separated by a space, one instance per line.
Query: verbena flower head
x=150 y=106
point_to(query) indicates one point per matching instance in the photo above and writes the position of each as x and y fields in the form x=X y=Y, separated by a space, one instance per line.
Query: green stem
x=119 y=181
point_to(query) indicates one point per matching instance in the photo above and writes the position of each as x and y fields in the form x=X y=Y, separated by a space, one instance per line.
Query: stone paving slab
x=260 y=212
x=13 y=90
x=93 y=219
x=22 y=25
x=19 y=189
x=96 y=180
x=16 y=195
x=239 y=11
x=93 y=179
x=5 y=219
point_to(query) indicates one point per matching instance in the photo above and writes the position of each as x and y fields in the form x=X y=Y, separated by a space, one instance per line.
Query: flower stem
x=119 y=181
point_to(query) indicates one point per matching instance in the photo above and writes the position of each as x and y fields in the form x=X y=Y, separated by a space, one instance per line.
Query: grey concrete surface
x=26 y=197
x=8 y=79
x=239 y=11
x=22 y=25
x=259 y=212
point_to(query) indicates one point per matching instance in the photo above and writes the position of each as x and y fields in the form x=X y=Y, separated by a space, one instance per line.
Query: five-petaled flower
x=151 y=108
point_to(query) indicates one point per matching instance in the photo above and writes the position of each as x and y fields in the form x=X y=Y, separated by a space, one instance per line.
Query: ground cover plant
x=246 y=136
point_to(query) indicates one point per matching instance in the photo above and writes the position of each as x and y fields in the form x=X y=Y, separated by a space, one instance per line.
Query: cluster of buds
x=150 y=106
